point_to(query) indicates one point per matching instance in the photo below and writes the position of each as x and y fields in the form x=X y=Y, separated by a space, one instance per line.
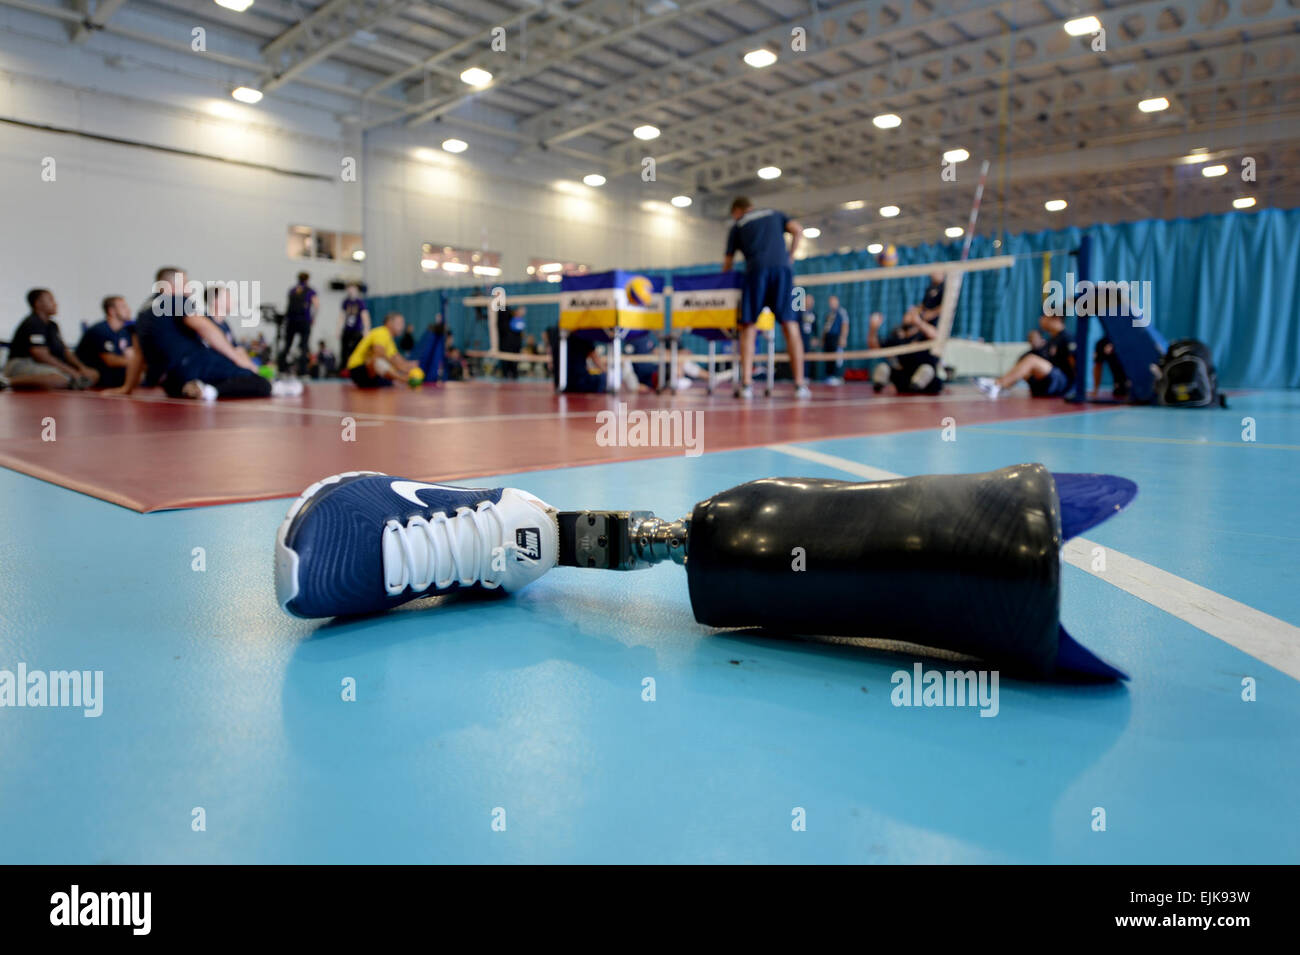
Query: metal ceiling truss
x=842 y=29
x=938 y=72
x=952 y=121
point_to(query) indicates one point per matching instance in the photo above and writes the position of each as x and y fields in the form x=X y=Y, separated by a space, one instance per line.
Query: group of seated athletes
x=180 y=342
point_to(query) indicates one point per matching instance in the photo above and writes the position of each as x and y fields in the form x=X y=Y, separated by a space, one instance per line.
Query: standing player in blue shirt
x=759 y=235
x=835 y=339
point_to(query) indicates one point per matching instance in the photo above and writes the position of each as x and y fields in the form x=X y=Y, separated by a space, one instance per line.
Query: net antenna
x=952 y=281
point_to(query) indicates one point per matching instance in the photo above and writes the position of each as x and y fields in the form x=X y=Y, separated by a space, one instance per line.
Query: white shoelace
x=433 y=553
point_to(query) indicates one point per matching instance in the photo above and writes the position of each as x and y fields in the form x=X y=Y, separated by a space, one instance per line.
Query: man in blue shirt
x=1049 y=375
x=38 y=357
x=354 y=321
x=759 y=235
x=106 y=346
x=835 y=339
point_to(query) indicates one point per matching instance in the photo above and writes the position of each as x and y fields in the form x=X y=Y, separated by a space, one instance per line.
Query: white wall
x=480 y=200
x=114 y=213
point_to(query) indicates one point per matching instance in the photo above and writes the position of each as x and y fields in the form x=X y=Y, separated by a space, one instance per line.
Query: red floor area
x=153 y=453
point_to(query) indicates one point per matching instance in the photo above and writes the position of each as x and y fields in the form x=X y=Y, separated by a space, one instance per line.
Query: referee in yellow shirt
x=376 y=361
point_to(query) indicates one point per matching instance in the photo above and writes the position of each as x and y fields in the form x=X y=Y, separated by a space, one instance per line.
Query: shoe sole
x=286 y=558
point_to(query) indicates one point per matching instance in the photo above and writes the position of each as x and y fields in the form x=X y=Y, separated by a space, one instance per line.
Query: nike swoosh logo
x=407 y=489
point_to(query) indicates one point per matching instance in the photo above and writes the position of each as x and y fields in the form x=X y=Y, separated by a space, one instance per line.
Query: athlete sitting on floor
x=376 y=361
x=912 y=373
x=37 y=356
x=1049 y=375
x=174 y=338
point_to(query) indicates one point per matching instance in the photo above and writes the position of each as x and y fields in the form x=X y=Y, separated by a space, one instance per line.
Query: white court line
x=1264 y=637
x=1137 y=438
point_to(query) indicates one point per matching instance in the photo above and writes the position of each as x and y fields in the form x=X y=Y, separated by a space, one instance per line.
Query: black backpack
x=1185 y=377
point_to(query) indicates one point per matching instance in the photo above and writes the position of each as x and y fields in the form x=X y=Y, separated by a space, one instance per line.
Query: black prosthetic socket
x=966 y=562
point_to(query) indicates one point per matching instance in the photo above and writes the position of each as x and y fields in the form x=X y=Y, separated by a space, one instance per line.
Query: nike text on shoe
x=361 y=542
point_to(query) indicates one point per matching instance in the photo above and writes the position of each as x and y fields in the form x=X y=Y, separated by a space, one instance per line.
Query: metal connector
x=620 y=540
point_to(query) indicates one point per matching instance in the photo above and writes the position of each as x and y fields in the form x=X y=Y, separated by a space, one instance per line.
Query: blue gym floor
x=216 y=699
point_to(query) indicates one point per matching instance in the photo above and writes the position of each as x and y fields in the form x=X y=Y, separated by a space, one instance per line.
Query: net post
x=1082 y=324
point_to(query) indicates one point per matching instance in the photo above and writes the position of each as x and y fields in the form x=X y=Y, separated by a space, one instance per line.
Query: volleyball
x=888 y=257
x=639 y=291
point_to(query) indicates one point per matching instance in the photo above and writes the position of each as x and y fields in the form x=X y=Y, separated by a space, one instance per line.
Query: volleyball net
x=972 y=293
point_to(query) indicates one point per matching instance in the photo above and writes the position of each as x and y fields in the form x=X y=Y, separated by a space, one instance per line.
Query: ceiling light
x=812 y=232
x=474 y=76
x=875 y=248
x=769 y=172
x=455 y=267
x=1082 y=26
x=1054 y=205
x=553 y=278
x=646 y=132
x=1153 y=105
x=889 y=211
x=1209 y=172
x=1245 y=202
x=760 y=58
x=359 y=255
x=954 y=232
x=854 y=204
x=594 y=179
x=486 y=270
x=681 y=202
x=956 y=155
x=455 y=145
x=551 y=267
x=887 y=121
x=246 y=94
x=239 y=6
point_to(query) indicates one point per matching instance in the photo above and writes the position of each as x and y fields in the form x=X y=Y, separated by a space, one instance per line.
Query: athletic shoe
x=681 y=384
x=880 y=377
x=745 y=391
x=802 y=391
x=922 y=377
x=286 y=388
x=834 y=382
x=199 y=390
x=989 y=386
x=361 y=542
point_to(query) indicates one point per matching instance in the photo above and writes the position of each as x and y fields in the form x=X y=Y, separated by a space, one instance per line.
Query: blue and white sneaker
x=361 y=542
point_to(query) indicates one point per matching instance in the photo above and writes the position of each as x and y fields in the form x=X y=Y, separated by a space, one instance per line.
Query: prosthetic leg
x=966 y=562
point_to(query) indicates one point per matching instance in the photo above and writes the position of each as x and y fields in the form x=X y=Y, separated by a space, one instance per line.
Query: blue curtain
x=1229 y=280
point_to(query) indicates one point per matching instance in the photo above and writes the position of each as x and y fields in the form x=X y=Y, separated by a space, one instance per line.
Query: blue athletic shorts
x=767 y=288
x=1052 y=386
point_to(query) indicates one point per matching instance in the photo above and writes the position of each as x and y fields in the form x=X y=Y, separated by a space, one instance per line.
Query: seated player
x=1049 y=375
x=38 y=358
x=585 y=368
x=912 y=373
x=376 y=361
x=188 y=353
x=218 y=300
x=106 y=346
x=1104 y=354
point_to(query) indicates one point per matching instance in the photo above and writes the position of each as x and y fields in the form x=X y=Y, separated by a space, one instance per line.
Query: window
x=552 y=270
x=456 y=262
x=307 y=242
